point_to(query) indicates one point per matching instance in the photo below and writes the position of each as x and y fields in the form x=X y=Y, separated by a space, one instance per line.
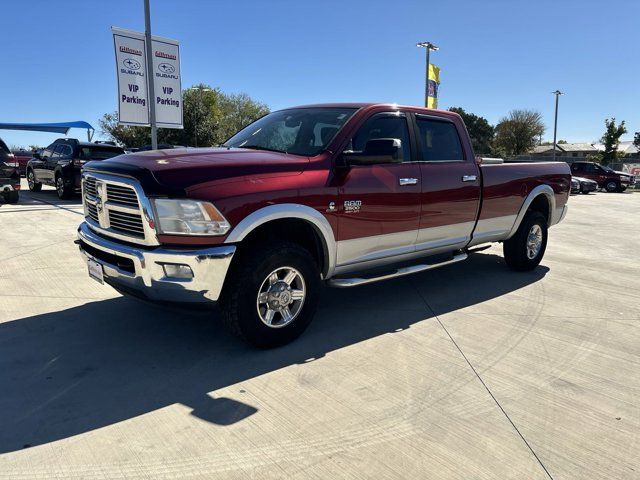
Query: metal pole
x=426 y=90
x=152 y=93
x=555 y=125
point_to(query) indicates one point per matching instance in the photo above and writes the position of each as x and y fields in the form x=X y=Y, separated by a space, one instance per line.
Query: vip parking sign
x=133 y=92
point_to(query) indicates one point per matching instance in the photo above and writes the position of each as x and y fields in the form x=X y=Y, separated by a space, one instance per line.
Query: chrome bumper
x=148 y=279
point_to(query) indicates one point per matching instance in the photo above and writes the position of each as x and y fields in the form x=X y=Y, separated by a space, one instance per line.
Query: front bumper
x=139 y=271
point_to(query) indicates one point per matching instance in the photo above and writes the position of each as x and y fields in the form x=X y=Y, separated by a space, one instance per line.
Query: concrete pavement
x=470 y=371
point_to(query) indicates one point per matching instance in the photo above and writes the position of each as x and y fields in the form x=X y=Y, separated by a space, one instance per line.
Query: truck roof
x=360 y=105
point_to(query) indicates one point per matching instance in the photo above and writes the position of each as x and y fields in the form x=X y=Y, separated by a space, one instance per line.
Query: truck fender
x=545 y=190
x=289 y=210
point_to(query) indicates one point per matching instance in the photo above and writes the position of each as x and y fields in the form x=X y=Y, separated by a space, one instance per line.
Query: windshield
x=300 y=131
x=99 y=153
x=606 y=169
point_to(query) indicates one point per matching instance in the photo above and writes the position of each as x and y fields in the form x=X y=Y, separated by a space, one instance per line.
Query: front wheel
x=12 y=196
x=64 y=191
x=31 y=181
x=271 y=294
x=525 y=249
x=611 y=186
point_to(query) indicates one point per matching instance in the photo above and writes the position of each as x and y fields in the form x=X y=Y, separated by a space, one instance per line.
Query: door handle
x=408 y=181
x=469 y=178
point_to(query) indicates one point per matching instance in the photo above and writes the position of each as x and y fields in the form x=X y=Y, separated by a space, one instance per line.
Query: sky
x=495 y=56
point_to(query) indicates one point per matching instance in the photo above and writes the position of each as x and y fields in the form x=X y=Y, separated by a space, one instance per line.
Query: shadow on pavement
x=72 y=371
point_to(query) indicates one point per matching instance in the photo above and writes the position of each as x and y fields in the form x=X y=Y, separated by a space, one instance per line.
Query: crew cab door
x=378 y=206
x=451 y=186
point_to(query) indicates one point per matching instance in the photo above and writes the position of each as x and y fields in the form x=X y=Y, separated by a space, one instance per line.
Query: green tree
x=479 y=128
x=636 y=141
x=518 y=132
x=210 y=117
x=611 y=140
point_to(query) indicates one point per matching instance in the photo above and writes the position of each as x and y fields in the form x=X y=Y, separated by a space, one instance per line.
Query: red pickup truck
x=345 y=194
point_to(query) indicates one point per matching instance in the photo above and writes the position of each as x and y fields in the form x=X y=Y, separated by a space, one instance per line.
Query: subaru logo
x=166 y=68
x=131 y=64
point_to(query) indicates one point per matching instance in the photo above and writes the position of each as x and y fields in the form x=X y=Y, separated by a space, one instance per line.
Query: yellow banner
x=432 y=86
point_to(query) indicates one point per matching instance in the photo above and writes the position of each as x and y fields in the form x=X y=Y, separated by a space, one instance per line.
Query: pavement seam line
x=484 y=384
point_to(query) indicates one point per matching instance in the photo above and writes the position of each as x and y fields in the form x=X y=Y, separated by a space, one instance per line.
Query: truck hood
x=173 y=171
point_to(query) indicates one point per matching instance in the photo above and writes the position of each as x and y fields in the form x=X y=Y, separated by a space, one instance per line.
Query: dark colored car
x=59 y=164
x=9 y=175
x=583 y=185
x=605 y=177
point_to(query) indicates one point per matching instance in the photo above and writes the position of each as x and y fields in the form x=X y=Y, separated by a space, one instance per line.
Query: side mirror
x=379 y=150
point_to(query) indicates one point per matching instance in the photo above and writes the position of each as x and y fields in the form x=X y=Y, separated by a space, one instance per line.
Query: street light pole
x=428 y=46
x=557 y=93
x=149 y=73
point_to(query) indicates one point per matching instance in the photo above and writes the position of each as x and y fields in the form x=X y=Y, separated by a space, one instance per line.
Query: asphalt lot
x=470 y=371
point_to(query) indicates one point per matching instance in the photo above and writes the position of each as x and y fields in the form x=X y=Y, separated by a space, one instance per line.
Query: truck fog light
x=175 y=270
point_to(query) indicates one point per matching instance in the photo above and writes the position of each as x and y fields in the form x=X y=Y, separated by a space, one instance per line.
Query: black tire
x=612 y=186
x=516 y=249
x=11 y=197
x=34 y=186
x=248 y=273
x=63 y=190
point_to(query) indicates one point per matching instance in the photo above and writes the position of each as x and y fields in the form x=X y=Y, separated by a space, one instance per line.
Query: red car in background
x=21 y=158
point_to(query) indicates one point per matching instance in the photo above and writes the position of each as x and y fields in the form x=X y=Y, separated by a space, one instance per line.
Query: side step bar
x=401 y=272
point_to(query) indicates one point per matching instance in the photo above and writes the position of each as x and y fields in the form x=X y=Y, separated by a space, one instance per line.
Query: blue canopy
x=63 y=127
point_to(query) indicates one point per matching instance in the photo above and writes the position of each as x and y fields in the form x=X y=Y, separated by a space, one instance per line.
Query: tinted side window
x=56 y=151
x=439 y=140
x=576 y=167
x=384 y=126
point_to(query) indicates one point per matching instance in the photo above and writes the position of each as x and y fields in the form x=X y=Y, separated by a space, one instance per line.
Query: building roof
x=542 y=148
x=577 y=147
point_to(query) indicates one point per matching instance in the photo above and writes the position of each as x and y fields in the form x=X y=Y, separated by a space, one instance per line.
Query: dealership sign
x=132 y=72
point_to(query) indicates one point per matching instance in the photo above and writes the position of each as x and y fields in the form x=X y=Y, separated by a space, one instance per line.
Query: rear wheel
x=34 y=186
x=611 y=186
x=525 y=249
x=271 y=295
x=12 y=197
x=64 y=191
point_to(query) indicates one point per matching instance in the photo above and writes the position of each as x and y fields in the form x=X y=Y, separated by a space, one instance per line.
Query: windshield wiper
x=258 y=147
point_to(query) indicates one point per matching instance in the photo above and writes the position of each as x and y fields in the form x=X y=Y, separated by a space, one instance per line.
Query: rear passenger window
x=439 y=141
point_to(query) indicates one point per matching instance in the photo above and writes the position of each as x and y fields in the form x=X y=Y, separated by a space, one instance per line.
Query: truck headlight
x=188 y=217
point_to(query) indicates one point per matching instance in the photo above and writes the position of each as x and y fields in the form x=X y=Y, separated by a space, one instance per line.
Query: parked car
x=583 y=185
x=59 y=164
x=607 y=178
x=345 y=194
x=21 y=158
x=9 y=182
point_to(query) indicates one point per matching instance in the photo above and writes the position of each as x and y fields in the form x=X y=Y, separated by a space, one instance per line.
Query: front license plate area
x=95 y=270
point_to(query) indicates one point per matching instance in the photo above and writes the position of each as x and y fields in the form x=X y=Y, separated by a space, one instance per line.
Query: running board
x=401 y=272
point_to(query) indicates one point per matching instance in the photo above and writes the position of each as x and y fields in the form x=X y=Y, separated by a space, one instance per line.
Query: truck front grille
x=118 y=208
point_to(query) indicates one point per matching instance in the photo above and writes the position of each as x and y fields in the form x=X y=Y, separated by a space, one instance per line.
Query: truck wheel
x=31 y=180
x=12 y=196
x=611 y=186
x=525 y=249
x=64 y=192
x=271 y=295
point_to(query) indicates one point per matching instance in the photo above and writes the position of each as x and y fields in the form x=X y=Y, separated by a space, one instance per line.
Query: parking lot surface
x=470 y=371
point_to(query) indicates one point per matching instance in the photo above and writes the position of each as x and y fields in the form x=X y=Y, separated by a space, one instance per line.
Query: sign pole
x=426 y=90
x=149 y=73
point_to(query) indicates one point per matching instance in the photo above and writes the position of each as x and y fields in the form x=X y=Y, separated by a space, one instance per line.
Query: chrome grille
x=117 y=207
x=92 y=212
x=126 y=222
x=123 y=195
x=90 y=186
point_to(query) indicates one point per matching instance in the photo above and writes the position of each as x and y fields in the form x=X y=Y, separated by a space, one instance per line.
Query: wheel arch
x=279 y=217
x=541 y=199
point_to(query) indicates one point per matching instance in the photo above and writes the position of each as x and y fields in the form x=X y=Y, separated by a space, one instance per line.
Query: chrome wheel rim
x=60 y=186
x=280 y=297
x=534 y=241
x=31 y=180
